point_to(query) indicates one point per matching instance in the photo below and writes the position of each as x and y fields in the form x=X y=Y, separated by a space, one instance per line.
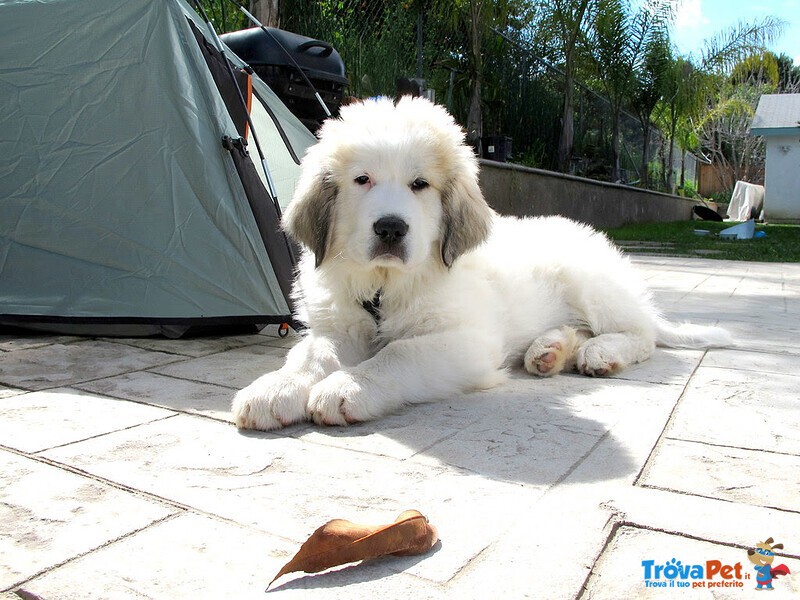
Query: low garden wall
x=523 y=191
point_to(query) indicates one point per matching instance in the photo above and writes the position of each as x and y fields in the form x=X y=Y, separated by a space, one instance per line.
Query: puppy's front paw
x=339 y=399
x=271 y=402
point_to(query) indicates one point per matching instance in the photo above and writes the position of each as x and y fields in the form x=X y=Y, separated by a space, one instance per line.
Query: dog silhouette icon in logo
x=762 y=556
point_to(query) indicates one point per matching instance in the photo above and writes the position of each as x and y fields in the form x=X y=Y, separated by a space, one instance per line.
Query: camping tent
x=128 y=203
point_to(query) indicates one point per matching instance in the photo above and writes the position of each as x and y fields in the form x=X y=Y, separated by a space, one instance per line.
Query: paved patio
x=122 y=476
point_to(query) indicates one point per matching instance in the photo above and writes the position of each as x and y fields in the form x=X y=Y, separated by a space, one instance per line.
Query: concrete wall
x=782 y=179
x=522 y=191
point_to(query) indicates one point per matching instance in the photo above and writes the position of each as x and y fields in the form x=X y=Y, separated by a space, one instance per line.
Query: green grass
x=782 y=243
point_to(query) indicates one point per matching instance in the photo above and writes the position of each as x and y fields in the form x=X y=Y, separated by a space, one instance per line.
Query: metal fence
x=382 y=41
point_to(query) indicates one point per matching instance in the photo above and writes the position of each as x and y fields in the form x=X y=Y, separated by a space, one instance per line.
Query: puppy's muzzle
x=390 y=232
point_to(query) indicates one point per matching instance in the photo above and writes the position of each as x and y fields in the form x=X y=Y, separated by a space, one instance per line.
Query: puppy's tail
x=687 y=335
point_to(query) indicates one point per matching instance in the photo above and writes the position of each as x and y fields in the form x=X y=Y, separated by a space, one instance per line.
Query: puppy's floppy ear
x=309 y=216
x=466 y=218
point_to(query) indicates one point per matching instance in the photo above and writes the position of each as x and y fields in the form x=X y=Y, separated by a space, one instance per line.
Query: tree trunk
x=474 y=116
x=474 y=120
x=616 y=172
x=567 y=121
x=670 y=174
x=645 y=175
x=570 y=30
x=266 y=11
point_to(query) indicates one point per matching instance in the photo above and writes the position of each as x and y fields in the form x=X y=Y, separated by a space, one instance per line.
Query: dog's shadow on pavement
x=528 y=430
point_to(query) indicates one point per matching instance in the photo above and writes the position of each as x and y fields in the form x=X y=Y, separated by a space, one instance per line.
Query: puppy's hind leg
x=554 y=351
x=609 y=353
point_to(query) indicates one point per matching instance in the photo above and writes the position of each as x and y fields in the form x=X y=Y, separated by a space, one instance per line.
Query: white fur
x=547 y=290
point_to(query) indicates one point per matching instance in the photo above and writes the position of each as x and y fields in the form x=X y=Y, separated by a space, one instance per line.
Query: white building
x=777 y=118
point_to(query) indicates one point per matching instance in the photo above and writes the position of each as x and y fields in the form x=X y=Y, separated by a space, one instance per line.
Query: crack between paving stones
x=114 y=484
x=760 y=450
x=441 y=440
x=649 y=486
x=120 y=342
x=612 y=517
x=183 y=508
x=581 y=460
x=74 y=384
x=99 y=435
x=150 y=404
x=178 y=377
x=637 y=525
x=668 y=423
x=18 y=586
x=179 y=507
x=615 y=526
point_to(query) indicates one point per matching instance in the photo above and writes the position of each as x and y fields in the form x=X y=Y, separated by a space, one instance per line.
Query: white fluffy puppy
x=413 y=289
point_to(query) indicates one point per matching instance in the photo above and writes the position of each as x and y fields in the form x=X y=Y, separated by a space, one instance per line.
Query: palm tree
x=628 y=47
x=566 y=21
x=648 y=89
x=694 y=87
x=788 y=75
x=724 y=128
x=480 y=19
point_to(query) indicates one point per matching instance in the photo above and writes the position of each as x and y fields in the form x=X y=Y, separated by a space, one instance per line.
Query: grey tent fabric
x=119 y=205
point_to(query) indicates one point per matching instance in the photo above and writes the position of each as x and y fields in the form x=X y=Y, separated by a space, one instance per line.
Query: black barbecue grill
x=266 y=53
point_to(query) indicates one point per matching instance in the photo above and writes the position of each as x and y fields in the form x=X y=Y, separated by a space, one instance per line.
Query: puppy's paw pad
x=595 y=361
x=545 y=361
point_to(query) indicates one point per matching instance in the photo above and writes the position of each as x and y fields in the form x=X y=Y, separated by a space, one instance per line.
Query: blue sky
x=698 y=20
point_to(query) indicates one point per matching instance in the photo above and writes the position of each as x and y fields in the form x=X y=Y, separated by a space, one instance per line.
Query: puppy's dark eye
x=419 y=184
x=362 y=179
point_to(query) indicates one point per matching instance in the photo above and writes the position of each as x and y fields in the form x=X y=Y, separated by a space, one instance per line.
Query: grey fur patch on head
x=309 y=218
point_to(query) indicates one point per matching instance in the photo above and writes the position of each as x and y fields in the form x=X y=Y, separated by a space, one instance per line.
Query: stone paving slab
x=233 y=368
x=727 y=473
x=758 y=362
x=62 y=364
x=183 y=395
x=779 y=337
x=51 y=516
x=727 y=407
x=40 y=420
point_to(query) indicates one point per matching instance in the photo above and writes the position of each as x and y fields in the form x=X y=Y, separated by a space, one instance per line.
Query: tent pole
x=288 y=54
x=221 y=49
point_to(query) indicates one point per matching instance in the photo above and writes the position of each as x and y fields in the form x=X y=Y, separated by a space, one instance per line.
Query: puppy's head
x=389 y=185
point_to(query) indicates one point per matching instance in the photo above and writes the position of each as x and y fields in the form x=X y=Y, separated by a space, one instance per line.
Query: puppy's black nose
x=390 y=229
